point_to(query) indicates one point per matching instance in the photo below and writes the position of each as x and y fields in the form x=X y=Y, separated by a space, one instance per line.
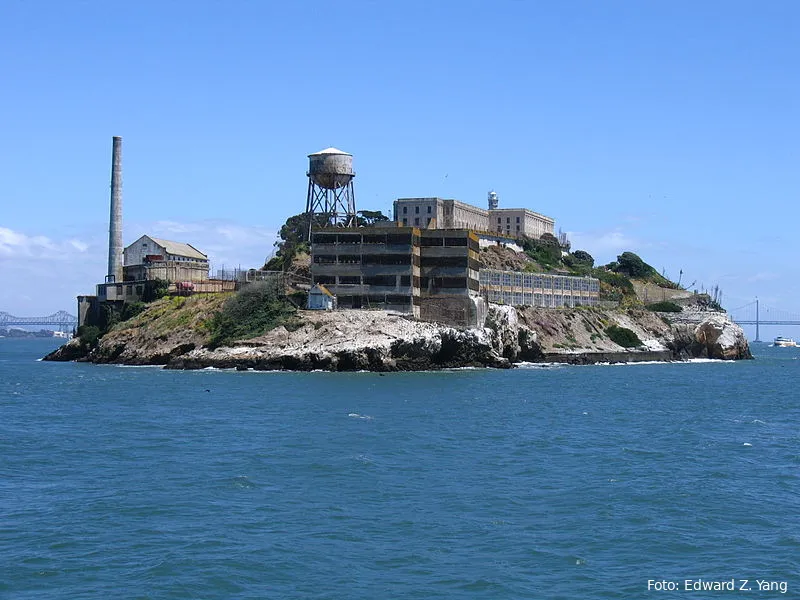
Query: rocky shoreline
x=382 y=341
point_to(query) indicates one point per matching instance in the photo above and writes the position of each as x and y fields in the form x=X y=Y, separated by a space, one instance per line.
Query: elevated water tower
x=330 y=189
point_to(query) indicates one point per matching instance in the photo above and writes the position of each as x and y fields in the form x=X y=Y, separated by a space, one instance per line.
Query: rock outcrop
x=381 y=341
x=715 y=336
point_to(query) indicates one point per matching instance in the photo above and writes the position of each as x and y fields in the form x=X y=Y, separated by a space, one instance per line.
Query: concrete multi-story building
x=431 y=274
x=440 y=213
x=369 y=267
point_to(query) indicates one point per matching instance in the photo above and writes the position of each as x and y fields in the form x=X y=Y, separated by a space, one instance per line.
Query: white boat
x=784 y=342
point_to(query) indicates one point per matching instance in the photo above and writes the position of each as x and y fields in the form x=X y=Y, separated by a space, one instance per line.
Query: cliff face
x=380 y=341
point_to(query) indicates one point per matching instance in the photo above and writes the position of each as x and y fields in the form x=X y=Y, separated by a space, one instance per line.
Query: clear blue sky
x=666 y=128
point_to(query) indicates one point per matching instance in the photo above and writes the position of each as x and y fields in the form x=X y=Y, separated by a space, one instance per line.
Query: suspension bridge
x=757 y=314
x=62 y=319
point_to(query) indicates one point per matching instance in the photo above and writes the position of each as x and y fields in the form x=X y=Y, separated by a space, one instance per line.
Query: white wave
x=358 y=416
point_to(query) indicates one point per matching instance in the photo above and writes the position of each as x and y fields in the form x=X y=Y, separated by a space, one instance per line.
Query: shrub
x=89 y=335
x=155 y=289
x=623 y=336
x=253 y=311
x=544 y=251
x=665 y=306
x=131 y=309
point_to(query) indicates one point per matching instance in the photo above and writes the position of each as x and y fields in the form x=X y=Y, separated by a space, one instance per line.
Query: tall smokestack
x=115 y=248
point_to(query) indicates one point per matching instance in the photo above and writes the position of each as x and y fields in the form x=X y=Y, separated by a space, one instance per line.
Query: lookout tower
x=330 y=189
x=494 y=201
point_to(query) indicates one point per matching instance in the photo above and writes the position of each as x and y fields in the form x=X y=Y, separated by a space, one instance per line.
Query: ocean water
x=542 y=482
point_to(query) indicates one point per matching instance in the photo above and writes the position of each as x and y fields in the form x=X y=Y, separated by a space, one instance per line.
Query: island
x=640 y=316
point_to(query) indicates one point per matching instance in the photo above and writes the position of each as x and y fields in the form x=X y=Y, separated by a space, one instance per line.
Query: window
x=429 y=219
x=499 y=220
x=405 y=221
x=517 y=221
x=508 y=219
x=416 y=219
x=429 y=210
x=405 y=210
x=416 y=209
x=517 y=227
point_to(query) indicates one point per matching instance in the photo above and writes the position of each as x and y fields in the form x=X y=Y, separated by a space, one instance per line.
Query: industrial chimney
x=115 y=248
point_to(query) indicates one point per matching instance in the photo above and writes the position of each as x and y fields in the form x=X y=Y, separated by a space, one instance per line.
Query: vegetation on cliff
x=623 y=336
x=252 y=311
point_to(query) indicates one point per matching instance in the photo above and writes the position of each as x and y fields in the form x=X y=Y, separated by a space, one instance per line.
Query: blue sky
x=666 y=128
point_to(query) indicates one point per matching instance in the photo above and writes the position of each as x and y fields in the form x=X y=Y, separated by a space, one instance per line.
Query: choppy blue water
x=559 y=482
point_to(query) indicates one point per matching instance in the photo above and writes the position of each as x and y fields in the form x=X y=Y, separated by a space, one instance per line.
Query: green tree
x=633 y=266
x=583 y=257
x=368 y=218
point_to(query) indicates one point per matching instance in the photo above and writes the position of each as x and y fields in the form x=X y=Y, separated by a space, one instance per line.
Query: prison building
x=369 y=267
x=433 y=213
x=151 y=258
x=520 y=221
x=538 y=289
x=439 y=213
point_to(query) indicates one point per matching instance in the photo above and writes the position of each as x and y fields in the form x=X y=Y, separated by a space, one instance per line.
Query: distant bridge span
x=751 y=314
x=60 y=319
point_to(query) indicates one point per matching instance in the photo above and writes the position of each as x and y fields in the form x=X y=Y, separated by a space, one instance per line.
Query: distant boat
x=61 y=334
x=784 y=342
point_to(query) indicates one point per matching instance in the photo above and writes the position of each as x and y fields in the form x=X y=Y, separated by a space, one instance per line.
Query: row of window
x=497 y=278
x=508 y=220
x=376 y=280
x=416 y=221
x=416 y=210
x=367 y=259
x=541 y=300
